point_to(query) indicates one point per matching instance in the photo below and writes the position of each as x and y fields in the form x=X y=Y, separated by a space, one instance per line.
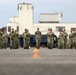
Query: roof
x=56 y=13
x=25 y=3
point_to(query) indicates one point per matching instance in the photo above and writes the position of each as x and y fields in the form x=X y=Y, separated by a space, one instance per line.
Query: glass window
x=9 y=28
x=72 y=29
x=59 y=28
x=20 y=8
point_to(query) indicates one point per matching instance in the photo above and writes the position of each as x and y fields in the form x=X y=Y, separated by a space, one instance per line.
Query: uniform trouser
x=26 y=43
x=4 y=43
x=70 y=42
x=75 y=42
x=65 y=43
x=38 y=41
x=60 y=43
x=16 y=43
x=0 y=43
x=12 y=43
x=50 y=42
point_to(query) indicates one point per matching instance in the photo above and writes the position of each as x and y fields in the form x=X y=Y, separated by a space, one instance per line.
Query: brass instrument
x=11 y=37
x=24 y=35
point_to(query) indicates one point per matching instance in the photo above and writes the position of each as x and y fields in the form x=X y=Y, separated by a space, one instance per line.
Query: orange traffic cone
x=36 y=55
x=36 y=50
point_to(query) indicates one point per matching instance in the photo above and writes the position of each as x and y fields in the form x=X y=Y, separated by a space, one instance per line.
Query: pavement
x=50 y=62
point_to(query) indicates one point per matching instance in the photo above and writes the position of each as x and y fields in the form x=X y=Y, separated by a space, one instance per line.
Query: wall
x=44 y=27
x=14 y=19
x=13 y=25
x=25 y=17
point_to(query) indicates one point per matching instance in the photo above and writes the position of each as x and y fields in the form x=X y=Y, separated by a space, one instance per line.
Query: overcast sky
x=8 y=8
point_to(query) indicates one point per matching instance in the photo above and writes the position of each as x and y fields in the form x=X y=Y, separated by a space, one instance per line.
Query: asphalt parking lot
x=50 y=62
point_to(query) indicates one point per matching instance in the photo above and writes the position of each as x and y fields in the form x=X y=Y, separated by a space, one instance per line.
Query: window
x=59 y=28
x=9 y=28
x=32 y=7
x=20 y=8
x=72 y=29
x=17 y=28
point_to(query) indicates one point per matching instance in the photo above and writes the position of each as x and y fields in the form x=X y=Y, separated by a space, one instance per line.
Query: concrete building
x=26 y=20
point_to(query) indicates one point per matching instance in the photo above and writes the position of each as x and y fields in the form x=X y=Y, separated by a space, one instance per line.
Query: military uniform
x=12 y=36
x=74 y=39
x=1 y=40
x=64 y=34
x=38 y=38
x=26 y=39
x=50 y=40
x=16 y=41
x=71 y=36
x=5 y=39
x=60 y=41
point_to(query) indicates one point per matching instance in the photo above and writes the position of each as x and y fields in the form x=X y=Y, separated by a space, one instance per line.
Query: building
x=26 y=20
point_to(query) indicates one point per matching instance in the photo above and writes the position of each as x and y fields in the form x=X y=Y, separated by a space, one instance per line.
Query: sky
x=8 y=8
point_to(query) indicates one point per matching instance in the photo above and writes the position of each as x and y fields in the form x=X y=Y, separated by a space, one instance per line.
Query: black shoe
x=24 y=47
x=27 y=47
x=71 y=48
x=10 y=47
x=49 y=47
x=37 y=47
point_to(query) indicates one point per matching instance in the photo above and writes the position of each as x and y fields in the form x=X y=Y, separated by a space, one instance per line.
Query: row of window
x=58 y=28
x=9 y=28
